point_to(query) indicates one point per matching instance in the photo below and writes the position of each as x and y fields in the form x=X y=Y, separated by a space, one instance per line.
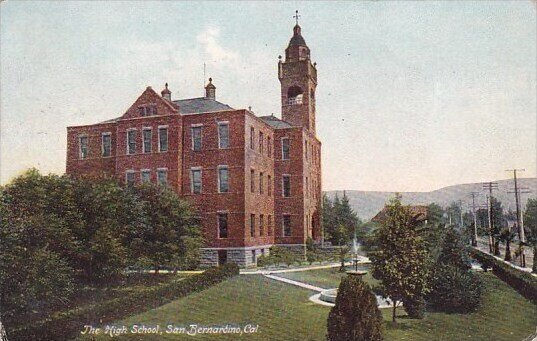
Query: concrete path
x=297 y=283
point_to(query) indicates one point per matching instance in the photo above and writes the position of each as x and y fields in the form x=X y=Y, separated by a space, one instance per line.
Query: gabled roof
x=419 y=213
x=200 y=105
x=275 y=122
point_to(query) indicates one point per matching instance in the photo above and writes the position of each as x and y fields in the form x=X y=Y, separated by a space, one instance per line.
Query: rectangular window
x=195 y=178
x=261 y=224
x=286 y=225
x=147 y=110
x=269 y=185
x=106 y=144
x=162 y=176
x=223 y=135
x=223 y=179
x=252 y=138
x=83 y=147
x=222 y=225
x=147 y=135
x=131 y=142
x=253 y=257
x=252 y=180
x=307 y=187
x=163 y=139
x=129 y=178
x=269 y=146
x=286 y=186
x=285 y=148
x=252 y=225
x=261 y=183
x=145 y=176
x=261 y=140
x=269 y=225
x=196 y=138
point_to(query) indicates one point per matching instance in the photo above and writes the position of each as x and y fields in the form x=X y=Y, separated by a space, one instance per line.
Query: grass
x=283 y=312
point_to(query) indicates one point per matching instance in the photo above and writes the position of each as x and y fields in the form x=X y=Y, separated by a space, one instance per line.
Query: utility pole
x=461 y=222
x=474 y=240
x=490 y=186
x=521 y=236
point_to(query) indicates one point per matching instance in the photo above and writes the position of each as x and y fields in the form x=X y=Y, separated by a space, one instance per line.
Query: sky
x=411 y=96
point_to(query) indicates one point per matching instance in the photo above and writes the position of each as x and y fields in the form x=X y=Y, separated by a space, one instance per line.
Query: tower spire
x=296 y=16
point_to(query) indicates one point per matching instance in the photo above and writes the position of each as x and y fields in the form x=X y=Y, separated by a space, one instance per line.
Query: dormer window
x=147 y=110
x=294 y=95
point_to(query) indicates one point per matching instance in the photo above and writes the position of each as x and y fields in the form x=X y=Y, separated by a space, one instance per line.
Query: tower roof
x=297 y=39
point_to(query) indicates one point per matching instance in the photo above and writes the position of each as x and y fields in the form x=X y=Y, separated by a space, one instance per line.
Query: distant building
x=419 y=213
x=256 y=181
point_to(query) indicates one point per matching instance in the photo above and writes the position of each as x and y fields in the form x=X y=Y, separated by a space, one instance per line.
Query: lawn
x=283 y=312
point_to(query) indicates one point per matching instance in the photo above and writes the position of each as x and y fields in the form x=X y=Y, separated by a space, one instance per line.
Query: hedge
x=68 y=324
x=523 y=282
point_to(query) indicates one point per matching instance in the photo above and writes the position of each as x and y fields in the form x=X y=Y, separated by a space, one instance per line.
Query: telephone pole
x=521 y=236
x=461 y=223
x=474 y=240
x=490 y=186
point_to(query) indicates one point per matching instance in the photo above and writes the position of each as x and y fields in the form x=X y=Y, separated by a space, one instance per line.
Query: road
x=483 y=245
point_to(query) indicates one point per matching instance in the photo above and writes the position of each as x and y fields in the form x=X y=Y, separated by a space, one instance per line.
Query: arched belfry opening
x=295 y=95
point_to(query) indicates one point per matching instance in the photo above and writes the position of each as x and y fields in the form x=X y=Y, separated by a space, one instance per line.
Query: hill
x=368 y=203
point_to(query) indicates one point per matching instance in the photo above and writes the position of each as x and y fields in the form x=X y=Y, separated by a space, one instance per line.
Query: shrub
x=454 y=290
x=414 y=307
x=355 y=316
x=67 y=324
x=521 y=281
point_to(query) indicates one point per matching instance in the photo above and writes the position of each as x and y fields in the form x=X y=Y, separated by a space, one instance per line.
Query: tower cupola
x=166 y=93
x=210 y=90
x=297 y=48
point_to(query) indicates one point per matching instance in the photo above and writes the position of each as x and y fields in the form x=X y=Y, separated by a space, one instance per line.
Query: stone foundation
x=244 y=257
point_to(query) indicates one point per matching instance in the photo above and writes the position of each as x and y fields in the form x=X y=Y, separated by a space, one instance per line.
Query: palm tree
x=506 y=236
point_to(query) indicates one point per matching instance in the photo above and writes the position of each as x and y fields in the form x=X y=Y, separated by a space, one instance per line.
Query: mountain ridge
x=367 y=203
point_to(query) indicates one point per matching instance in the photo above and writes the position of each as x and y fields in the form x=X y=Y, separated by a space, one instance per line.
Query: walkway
x=482 y=245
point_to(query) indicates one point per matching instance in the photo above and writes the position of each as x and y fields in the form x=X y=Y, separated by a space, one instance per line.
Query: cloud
x=208 y=39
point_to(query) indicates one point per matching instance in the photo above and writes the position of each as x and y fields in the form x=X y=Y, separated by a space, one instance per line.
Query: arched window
x=294 y=95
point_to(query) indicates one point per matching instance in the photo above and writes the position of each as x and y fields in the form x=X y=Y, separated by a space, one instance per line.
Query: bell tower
x=298 y=80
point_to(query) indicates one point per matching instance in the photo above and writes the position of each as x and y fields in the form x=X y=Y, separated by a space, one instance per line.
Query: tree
x=507 y=236
x=401 y=259
x=355 y=315
x=454 y=251
x=498 y=223
x=530 y=228
x=453 y=287
x=340 y=222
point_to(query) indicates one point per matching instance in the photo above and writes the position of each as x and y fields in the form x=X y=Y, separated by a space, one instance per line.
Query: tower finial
x=296 y=16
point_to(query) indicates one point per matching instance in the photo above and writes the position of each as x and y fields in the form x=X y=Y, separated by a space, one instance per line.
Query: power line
x=490 y=186
x=521 y=236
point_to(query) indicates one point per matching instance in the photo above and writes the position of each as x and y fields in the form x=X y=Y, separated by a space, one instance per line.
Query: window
x=163 y=139
x=269 y=146
x=252 y=225
x=269 y=185
x=222 y=225
x=286 y=186
x=106 y=148
x=147 y=110
x=252 y=180
x=223 y=179
x=195 y=178
x=261 y=183
x=269 y=225
x=285 y=148
x=294 y=95
x=145 y=175
x=286 y=225
x=223 y=135
x=196 y=138
x=307 y=187
x=129 y=178
x=306 y=149
x=131 y=141
x=162 y=176
x=252 y=132
x=83 y=147
x=146 y=135
x=261 y=140
x=261 y=224
x=253 y=257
